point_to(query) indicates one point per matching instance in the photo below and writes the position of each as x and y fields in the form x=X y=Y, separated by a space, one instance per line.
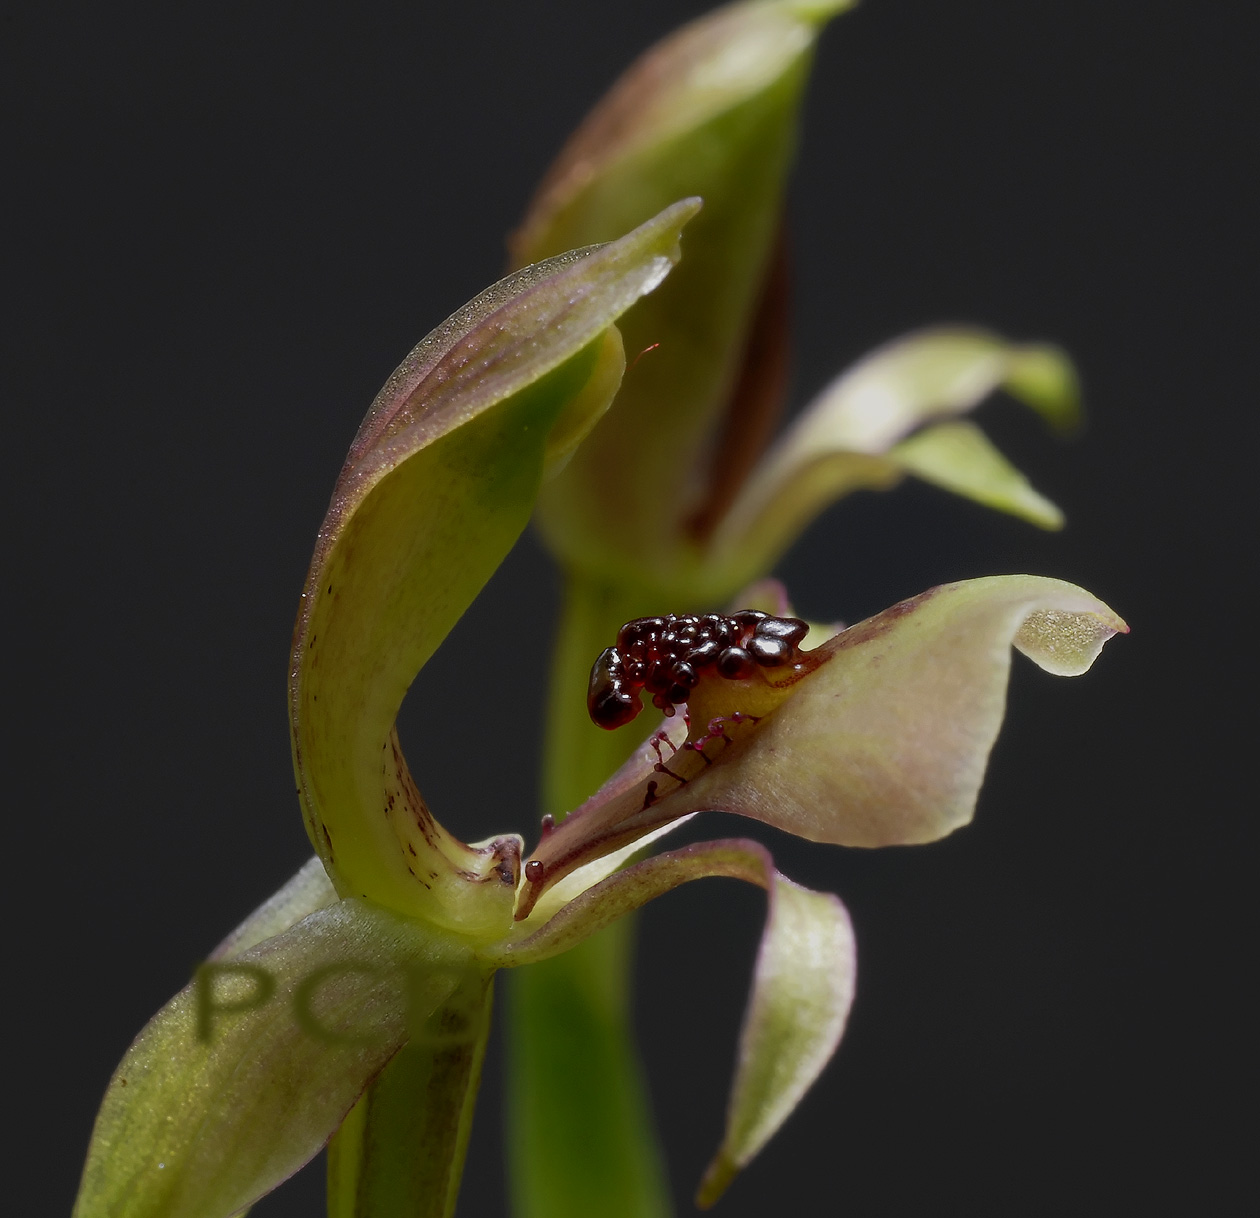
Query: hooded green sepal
x=712 y=111
x=439 y=483
x=245 y=1074
x=802 y=986
x=863 y=432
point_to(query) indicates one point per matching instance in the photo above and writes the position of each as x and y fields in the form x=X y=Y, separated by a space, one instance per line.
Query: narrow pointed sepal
x=243 y=1076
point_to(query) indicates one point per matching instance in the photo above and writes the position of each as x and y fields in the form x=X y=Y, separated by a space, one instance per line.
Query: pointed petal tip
x=1044 y=377
x=958 y=457
x=803 y=982
x=671 y=222
x=686 y=208
x=899 y=410
x=716 y=1180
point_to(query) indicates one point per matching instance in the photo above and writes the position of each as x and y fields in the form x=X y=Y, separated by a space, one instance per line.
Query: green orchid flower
x=354 y=1005
x=352 y=1009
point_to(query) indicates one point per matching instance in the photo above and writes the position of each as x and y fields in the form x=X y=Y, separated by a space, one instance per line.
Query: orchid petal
x=710 y=111
x=959 y=457
x=214 y=1105
x=439 y=483
x=802 y=991
x=931 y=374
x=848 y=438
x=802 y=987
x=878 y=737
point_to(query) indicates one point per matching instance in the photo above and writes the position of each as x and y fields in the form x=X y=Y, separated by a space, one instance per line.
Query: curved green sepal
x=853 y=437
x=802 y=987
x=439 y=483
x=879 y=736
x=244 y=1075
x=710 y=111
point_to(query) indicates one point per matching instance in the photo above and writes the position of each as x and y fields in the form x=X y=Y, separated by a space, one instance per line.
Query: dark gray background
x=229 y=223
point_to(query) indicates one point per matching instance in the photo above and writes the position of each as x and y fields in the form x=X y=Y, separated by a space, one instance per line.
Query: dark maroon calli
x=667 y=656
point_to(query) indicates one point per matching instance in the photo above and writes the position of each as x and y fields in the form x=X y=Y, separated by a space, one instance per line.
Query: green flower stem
x=581 y=1138
x=580 y=1133
x=400 y=1152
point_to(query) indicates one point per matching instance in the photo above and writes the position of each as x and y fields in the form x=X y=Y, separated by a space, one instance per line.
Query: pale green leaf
x=245 y=1074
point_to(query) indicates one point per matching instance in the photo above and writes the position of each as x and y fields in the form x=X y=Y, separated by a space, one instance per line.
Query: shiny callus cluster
x=667 y=656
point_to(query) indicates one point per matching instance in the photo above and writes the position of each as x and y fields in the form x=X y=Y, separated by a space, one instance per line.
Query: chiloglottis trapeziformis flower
x=880 y=735
x=366 y=980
